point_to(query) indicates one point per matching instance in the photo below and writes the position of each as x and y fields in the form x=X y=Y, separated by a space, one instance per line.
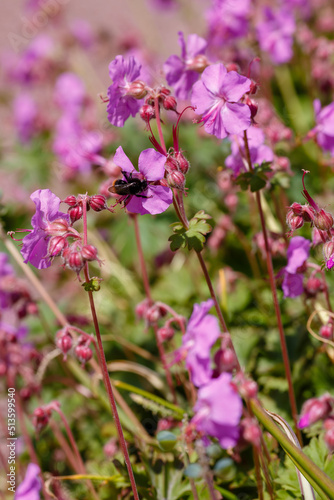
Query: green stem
x=320 y=481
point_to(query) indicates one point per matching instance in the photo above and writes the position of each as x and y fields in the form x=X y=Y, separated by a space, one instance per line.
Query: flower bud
x=315 y=409
x=248 y=389
x=198 y=64
x=142 y=308
x=75 y=213
x=176 y=180
x=313 y=286
x=323 y=220
x=154 y=313
x=171 y=164
x=57 y=228
x=83 y=353
x=253 y=106
x=137 y=89
x=227 y=360
x=89 y=252
x=166 y=333
x=98 y=202
x=64 y=341
x=164 y=91
x=71 y=200
x=329 y=439
x=57 y=245
x=170 y=103
x=294 y=221
x=326 y=331
x=147 y=112
x=183 y=163
x=41 y=417
x=251 y=431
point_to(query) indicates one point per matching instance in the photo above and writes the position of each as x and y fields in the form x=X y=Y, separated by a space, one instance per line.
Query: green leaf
x=194 y=237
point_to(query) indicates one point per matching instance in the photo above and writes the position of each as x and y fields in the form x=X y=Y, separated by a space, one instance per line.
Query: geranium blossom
x=156 y=198
x=218 y=410
x=227 y=20
x=31 y=486
x=202 y=332
x=297 y=254
x=215 y=96
x=121 y=105
x=35 y=244
x=324 y=129
x=180 y=71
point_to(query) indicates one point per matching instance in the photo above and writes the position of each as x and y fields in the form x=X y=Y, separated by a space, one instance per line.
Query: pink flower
x=297 y=254
x=30 y=487
x=324 y=129
x=218 y=410
x=154 y=199
x=215 y=96
x=35 y=244
x=181 y=72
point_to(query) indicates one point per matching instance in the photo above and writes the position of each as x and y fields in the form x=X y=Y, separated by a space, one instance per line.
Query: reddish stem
x=105 y=374
x=285 y=353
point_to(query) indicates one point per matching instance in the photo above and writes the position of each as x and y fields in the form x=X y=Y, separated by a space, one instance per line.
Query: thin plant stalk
x=149 y=296
x=105 y=372
x=270 y=268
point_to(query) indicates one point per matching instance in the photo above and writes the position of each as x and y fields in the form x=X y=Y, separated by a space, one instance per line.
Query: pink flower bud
x=142 y=308
x=164 y=91
x=248 y=389
x=326 y=331
x=315 y=409
x=329 y=439
x=227 y=360
x=166 y=333
x=137 y=89
x=183 y=162
x=199 y=63
x=171 y=164
x=154 y=313
x=57 y=245
x=89 y=252
x=253 y=106
x=98 y=202
x=57 y=228
x=170 y=103
x=329 y=423
x=176 y=180
x=41 y=417
x=75 y=213
x=313 y=286
x=64 y=341
x=71 y=200
x=83 y=353
x=323 y=220
x=251 y=431
x=294 y=221
x=147 y=112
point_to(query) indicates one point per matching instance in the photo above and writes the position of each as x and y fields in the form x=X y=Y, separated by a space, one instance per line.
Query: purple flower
x=259 y=152
x=297 y=254
x=181 y=71
x=31 y=486
x=227 y=20
x=218 y=410
x=215 y=97
x=202 y=332
x=25 y=114
x=274 y=34
x=35 y=244
x=324 y=129
x=156 y=198
x=121 y=105
x=5 y=270
x=69 y=92
x=315 y=409
x=74 y=146
x=82 y=31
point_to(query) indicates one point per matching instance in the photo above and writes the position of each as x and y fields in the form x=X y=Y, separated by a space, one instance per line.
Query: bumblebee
x=131 y=186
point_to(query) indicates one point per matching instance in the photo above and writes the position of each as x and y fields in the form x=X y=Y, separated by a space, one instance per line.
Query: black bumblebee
x=131 y=186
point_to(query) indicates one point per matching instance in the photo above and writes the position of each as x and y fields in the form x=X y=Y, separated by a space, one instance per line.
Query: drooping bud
x=147 y=112
x=227 y=360
x=166 y=333
x=64 y=341
x=170 y=103
x=323 y=220
x=313 y=286
x=328 y=251
x=251 y=431
x=137 y=89
x=176 y=180
x=198 y=64
x=57 y=228
x=98 y=202
x=183 y=162
x=154 y=313
x=83 y=353
x=89 y=252
x=253 y=106
x=326 y=331
x=294 y=221
x=71 y=200
x=75 y=213
x=73 y=258
x=315 y=409
x=248 y=389
x=329 y=439
x=142 y=308
x=41 y=417
x=56 y=245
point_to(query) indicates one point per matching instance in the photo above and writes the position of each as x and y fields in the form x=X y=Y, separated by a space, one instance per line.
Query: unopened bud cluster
x=320 y=409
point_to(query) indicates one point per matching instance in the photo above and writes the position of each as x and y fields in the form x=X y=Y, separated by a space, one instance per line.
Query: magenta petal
x=173 y=68
x=34 y=250
x=292 y=285
x=214 y=125
x=122 y=161
x=213 y=76
x=196 y=45
x=160 y=201
x=234 y=86
x=152 y=164
x=236 y=117
x=201 y=98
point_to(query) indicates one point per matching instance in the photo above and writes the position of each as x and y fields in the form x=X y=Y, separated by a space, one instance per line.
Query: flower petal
x=122 y=161
x=236 y=117
x=152 y=164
